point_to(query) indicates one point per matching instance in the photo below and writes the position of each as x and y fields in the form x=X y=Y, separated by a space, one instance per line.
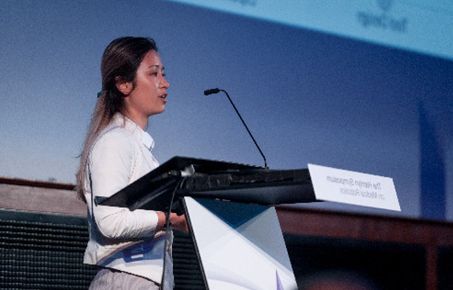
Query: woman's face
x=149 y=95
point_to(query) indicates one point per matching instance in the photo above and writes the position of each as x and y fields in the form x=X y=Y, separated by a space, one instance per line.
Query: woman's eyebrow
x=154 y=66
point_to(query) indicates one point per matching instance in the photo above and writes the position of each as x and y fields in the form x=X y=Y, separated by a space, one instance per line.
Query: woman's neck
x=141 y=121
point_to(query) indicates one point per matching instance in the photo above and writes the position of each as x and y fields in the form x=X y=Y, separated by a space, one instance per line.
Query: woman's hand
x=178 y=222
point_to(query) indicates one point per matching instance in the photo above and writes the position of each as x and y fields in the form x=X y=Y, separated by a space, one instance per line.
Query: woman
x=128 y=245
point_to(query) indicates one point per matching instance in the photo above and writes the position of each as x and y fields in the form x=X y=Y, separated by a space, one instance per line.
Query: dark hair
x=120 y=62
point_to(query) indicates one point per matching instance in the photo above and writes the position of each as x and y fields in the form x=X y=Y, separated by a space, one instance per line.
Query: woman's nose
x=164 y=83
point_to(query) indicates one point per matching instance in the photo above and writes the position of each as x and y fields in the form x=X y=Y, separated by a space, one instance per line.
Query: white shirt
x=119 y=238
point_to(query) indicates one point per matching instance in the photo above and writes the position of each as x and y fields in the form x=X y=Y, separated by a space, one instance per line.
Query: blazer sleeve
x=111 y=163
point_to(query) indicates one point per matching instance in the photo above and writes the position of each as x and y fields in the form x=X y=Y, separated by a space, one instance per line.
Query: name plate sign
x=344 y=186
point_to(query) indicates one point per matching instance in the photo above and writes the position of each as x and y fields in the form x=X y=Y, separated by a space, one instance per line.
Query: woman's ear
x=123 y=86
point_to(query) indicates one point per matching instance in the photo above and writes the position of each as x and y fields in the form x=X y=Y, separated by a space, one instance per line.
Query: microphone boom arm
x=213 y=91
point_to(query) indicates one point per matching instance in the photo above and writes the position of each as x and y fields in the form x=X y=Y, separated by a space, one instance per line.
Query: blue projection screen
x=361 y=85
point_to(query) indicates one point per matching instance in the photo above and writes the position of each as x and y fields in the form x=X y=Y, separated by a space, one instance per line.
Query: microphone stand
x=214 y=91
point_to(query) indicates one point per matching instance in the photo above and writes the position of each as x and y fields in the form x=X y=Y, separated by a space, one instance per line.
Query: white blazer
x=119 y=238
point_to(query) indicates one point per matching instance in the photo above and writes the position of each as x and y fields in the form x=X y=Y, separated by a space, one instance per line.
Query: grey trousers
x=107 y=279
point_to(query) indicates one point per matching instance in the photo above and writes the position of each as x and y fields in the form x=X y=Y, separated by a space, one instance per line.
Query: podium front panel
x=240 y=246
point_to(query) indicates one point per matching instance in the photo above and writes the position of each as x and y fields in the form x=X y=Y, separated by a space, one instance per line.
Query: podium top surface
x=214 y=180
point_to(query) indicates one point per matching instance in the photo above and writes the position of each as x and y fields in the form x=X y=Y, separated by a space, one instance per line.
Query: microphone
x=215 y=91
x=211 y=91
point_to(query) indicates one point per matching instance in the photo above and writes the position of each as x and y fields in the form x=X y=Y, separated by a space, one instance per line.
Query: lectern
x=230 y=213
